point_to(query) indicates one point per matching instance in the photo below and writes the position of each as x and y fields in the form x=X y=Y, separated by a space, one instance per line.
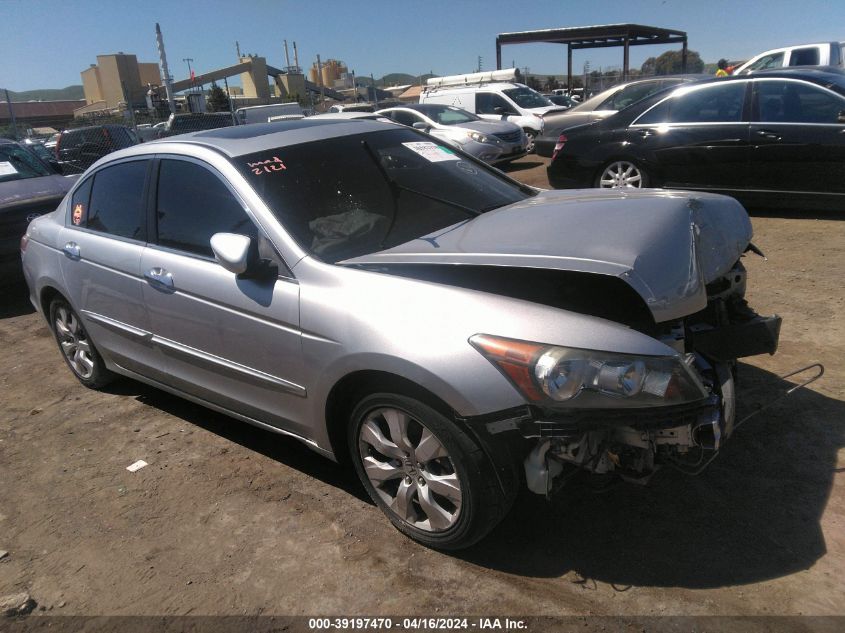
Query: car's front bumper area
x=631 y=443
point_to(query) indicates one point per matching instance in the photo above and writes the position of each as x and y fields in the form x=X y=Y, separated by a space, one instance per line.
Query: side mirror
x=500 y=110
x=232 y=251
x=841 y=118
x=419 y=125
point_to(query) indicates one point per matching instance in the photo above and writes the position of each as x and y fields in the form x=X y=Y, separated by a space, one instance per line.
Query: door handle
x=71 y=249
x=768 y=134
x=646 y=133
x=160 y=278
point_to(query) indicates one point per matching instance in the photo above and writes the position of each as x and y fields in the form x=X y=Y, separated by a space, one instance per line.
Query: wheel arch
x=352 y=387
x=46 y=296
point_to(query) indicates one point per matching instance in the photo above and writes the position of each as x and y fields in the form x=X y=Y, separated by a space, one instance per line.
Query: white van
x=495 y=96
x=825 y=54
x=262 y=113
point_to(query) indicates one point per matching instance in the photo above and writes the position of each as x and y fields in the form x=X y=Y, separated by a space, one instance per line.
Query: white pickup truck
x=824 y=54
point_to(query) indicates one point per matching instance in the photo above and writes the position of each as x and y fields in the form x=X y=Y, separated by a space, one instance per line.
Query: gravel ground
x=229 y=519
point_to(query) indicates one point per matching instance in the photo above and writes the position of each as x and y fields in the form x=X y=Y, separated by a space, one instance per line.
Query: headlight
x=478 y=137
x=579 y=378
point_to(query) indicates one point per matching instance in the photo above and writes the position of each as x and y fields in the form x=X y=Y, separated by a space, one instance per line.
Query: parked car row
x=777 y=136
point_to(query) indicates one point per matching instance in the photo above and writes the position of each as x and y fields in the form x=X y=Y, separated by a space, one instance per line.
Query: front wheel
x=531 y=135
x=622 y=174
x=429 y=477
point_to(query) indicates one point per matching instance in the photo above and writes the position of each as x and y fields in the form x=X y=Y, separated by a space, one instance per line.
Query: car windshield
x=350 y=196
x=448 y=115
x=527 y=98
x=17 y=163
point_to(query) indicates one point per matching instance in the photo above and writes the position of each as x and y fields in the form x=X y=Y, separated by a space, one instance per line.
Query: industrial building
x=115 y=80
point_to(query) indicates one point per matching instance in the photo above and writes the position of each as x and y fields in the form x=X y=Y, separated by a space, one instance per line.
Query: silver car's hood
x=665 y=245
x=490 y=127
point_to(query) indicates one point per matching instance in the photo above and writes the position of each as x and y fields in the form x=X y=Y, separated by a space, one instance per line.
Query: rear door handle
x=160 y=278
x=71 y=249
x=768 y=134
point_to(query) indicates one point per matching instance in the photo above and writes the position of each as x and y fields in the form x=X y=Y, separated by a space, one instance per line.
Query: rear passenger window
x=804 y=57
x=797 y=102
x=79 y=203
x=117 y=200
x=192 y=205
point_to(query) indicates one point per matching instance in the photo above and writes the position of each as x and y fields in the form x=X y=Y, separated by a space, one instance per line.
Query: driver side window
x=487 y=102
x=192 y=204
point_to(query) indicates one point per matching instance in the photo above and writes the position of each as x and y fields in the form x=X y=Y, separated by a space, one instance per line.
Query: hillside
x=45 y=94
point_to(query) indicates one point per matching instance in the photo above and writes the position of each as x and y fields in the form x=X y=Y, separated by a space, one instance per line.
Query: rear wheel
x=428 y=476
x=621 y=174
x=77 y=349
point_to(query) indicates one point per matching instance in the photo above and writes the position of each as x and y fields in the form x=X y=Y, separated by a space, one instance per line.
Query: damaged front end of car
x=666 y=265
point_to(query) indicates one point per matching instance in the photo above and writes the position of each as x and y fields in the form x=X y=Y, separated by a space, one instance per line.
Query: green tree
x=217 y=99
x=671 y=63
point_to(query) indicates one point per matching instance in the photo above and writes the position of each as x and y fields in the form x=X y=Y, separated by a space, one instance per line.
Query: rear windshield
x=17 y=163
x=345 y=197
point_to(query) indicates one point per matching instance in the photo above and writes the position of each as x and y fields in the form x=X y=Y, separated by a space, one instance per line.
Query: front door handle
x=768 y=134
x=160 y=278
x=646 y=133
x=71 y=249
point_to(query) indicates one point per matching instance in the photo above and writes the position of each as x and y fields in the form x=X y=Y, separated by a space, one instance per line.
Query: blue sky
x=47 y=43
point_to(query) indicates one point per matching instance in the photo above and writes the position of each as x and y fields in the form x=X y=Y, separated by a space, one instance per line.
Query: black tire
x=87 y=365
x=482 y=504
x=532 y=137
x=644 y=181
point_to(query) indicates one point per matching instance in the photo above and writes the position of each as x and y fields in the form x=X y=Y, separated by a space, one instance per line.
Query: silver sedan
x=397 y=304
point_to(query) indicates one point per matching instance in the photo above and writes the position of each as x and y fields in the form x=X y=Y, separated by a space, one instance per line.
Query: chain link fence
x=74 y=145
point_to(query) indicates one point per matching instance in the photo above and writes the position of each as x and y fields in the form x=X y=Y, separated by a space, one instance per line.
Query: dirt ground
x=229 y=519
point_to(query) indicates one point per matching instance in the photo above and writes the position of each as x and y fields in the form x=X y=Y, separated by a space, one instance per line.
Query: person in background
x=722 y=71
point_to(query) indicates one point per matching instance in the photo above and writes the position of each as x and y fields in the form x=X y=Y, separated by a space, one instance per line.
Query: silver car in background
x=493 y=142
x=400 y=305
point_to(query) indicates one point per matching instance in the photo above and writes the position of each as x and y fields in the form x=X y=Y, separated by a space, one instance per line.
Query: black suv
x=79 y=148
x=194 y=122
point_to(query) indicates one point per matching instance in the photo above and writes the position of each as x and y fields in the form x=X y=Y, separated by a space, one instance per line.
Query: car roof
x=239 y=140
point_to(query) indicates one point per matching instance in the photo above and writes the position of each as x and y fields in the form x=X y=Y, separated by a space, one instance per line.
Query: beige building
x=116 y=79
x=331 y=72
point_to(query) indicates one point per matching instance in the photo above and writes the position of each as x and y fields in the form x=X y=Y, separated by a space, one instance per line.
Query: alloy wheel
x=621 y=174
x=410 y=469
x=74 y=342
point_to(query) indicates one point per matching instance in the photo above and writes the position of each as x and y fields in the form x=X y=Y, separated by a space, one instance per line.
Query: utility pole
x=190 y=70
x=320 y=79
x=168 y=86
x=11 y=115
x=478 y=69
x=229 y=99
x=354 y=87
x=375 y=94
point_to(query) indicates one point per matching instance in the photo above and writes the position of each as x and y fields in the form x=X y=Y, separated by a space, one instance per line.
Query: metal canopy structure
x=625 y=35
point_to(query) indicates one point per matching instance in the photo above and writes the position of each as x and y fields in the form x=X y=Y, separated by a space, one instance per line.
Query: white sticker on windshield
x=431 y=151
x=7 y=169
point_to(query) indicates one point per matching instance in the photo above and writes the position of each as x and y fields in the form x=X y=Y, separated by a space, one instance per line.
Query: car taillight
x=24 y=242
x=561 y=141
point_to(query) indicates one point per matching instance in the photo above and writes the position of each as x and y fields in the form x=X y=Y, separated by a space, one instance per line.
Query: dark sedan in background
x=775 y=136
x=603 y=105
x=29 y=187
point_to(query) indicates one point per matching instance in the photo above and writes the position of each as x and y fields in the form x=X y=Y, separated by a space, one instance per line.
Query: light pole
x=190 y=70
